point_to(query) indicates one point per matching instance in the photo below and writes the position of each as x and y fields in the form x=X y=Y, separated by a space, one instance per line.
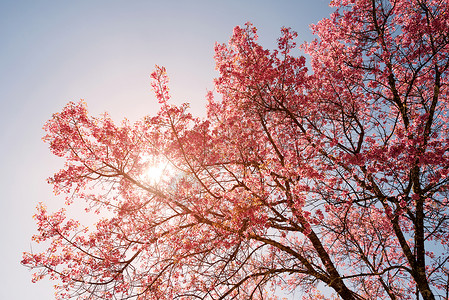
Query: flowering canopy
x=336 y=176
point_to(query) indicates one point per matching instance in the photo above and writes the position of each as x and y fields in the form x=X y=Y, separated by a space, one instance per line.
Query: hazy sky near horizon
x=103 y=51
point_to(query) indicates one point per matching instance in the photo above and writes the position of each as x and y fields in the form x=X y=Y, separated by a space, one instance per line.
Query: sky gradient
x=53 y=52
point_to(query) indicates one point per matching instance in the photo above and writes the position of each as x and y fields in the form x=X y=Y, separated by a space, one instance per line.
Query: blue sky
x=53 y=52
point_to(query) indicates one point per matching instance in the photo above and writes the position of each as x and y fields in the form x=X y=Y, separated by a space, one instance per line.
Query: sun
x=156 y=170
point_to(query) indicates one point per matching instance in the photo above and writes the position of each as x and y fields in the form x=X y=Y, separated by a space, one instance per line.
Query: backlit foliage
x=296 y=178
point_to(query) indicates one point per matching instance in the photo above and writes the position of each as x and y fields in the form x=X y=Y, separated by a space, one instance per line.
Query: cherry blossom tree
x=296 y=179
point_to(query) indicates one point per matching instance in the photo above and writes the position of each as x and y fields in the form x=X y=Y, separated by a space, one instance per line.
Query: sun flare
x=156 y=171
